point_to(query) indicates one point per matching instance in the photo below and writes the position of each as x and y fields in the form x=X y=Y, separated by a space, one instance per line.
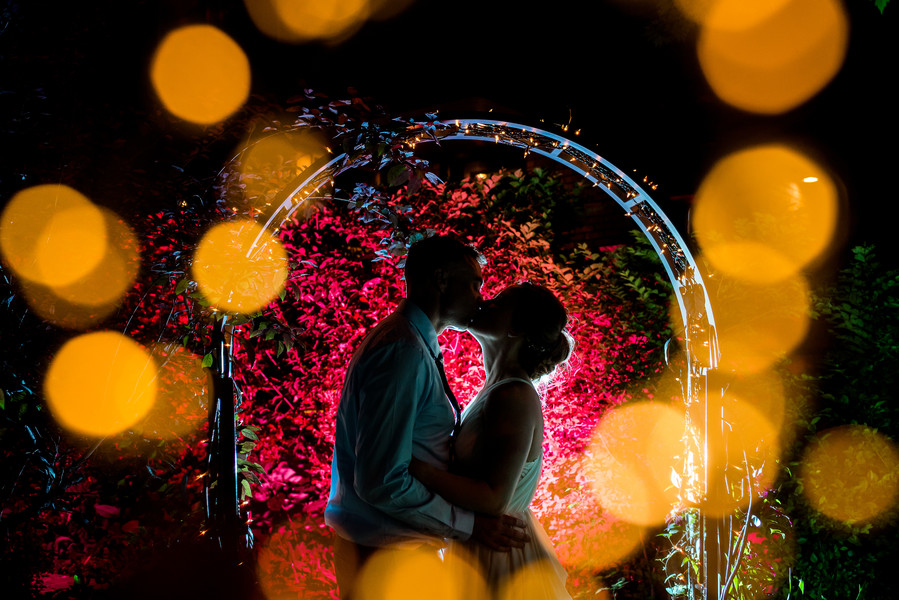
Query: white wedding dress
x=532 y=572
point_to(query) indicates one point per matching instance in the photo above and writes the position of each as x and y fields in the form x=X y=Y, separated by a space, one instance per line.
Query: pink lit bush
x=109 y=512
x=336 y=292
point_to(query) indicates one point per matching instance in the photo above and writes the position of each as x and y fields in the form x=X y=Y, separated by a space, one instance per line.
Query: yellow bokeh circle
x=758 y=325
x=769 y=56
x=100 y=384
x=851 y=473
x=296 y=21
x=599 y=541
x=239 y=266
x=764 y=213
x=634 y=452
x=729 y=15
x=536 y=580
x=46 y=303
x=52 y=235
x=183 y=390
x=749 y=446
x=200 y=74
x=269 y=163
x=414 y=573
x=114 y=274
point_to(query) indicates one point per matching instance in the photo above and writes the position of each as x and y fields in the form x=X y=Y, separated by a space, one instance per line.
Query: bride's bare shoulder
x=513 y=398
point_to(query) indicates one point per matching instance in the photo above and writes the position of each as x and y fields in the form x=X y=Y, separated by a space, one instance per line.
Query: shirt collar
x=422 y=324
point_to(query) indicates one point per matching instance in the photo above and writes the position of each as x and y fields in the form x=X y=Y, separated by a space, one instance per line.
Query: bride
x=499 y=448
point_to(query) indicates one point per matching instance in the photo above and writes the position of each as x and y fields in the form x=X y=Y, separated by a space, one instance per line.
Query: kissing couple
x=410 y=469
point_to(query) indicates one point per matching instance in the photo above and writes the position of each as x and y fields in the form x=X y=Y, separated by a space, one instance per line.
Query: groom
x=394 y=405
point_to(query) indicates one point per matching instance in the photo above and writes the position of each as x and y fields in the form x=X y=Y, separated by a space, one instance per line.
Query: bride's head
x=528 y=321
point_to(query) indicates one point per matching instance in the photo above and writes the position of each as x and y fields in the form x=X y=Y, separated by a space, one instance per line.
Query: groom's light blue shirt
x=392 y=407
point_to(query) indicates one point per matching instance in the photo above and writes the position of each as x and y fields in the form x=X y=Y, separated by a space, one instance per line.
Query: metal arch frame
x=694 y=304
x=700 y=336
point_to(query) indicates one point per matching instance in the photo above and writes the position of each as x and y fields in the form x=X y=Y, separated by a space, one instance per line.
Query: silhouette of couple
x=409 y=469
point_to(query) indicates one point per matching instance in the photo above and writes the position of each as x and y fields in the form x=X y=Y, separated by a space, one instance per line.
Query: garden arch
x=700 y=338
x=695 y=308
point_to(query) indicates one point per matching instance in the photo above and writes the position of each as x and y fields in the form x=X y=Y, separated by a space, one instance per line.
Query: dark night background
x=78 y=106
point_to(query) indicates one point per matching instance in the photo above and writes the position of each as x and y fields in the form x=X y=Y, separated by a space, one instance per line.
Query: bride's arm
x=511 y=419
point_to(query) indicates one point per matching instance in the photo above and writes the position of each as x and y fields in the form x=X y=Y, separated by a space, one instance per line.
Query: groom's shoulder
x=391 y=330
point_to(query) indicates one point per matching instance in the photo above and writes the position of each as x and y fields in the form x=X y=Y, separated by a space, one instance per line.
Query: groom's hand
x=500 y=533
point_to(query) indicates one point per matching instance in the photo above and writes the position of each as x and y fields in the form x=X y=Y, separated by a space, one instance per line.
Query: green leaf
x=245 y=490
x=182 y=285
x=2 y=400
x=397 y=175
x=246 y=465
x=207 y=361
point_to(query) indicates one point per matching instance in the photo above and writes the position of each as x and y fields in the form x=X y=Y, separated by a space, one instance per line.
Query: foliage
x=72 y=506
x=289 y=359
x=784 y=547
x=336 y=292
x=856 y=384
x=89 y=507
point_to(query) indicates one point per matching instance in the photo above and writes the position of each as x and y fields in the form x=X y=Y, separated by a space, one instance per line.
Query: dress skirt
x=529 y=573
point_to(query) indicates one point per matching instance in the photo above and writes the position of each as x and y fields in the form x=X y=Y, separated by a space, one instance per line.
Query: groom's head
x=443 y=277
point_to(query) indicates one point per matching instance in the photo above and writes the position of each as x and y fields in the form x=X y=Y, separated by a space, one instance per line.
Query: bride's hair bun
x=553 y=356
x=541 y=318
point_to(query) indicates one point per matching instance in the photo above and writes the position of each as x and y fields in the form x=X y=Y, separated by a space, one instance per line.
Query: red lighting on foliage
x=336 y=293
x=290 y=360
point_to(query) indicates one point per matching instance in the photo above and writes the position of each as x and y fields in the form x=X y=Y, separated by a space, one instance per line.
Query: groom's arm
x=395 y=380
